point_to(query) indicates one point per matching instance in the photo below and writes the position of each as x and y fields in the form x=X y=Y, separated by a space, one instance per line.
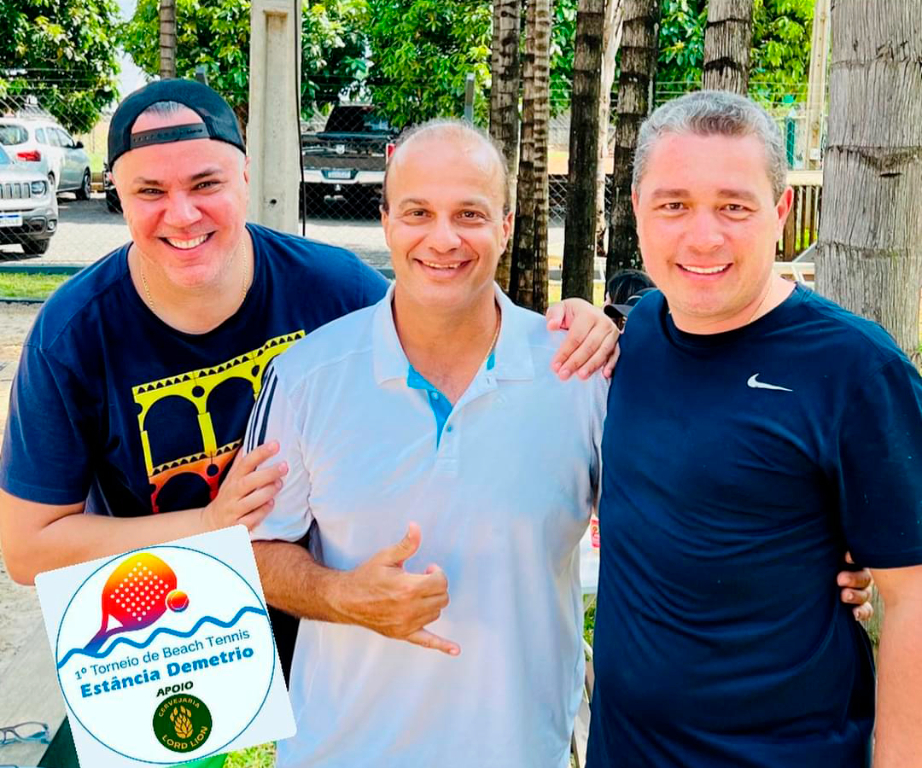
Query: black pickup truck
x=347 y=158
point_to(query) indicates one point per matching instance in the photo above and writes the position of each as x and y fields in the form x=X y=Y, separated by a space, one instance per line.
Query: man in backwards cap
x=136 y=381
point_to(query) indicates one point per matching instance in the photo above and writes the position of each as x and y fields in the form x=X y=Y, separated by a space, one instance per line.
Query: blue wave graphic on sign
x=162 y=631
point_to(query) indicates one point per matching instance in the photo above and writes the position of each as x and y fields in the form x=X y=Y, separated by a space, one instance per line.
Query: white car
x=45 y=146
x=28 y=207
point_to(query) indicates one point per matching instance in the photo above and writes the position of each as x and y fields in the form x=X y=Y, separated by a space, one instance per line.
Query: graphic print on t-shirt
x=192 y=424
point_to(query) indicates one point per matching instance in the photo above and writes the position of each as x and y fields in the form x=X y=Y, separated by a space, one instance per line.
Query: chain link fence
x=344 y=151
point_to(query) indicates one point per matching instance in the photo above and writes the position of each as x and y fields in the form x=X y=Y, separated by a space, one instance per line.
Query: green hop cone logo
x=182 y=723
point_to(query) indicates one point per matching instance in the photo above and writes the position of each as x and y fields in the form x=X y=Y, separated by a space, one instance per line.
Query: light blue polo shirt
x=441 y=405
x=501 y=485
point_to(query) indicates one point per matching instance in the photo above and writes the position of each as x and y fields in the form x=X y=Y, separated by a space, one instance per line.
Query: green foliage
x=410 y=57
x=262 y=756
x=333 y=50
x=563 y=45
x=209 y=33
x=589 y=621
x=780 y=47
x=681 y=44
x=216 y=34
x=422 y=51
x=62 y=53
x=781 y=34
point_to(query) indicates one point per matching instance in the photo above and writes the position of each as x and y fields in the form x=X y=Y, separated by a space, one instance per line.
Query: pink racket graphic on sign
x=138 y=592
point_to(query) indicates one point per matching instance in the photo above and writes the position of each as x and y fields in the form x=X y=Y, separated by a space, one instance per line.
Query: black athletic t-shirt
x=737 y=469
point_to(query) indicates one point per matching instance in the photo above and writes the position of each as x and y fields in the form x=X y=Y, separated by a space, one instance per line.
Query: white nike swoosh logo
x=761 y=385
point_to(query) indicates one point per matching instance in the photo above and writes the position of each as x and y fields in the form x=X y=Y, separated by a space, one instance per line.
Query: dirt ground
x=19 y=611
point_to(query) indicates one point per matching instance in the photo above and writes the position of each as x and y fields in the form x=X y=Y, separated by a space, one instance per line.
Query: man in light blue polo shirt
x=418 y=421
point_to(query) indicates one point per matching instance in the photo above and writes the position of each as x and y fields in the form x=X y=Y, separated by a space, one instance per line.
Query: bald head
x=459 y=135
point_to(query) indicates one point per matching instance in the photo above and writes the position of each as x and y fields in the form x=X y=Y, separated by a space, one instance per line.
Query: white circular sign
x=165 y=655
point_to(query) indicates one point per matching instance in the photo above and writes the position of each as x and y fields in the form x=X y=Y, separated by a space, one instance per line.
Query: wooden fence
x=803 y=224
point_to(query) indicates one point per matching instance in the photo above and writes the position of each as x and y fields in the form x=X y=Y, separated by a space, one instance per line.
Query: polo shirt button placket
x=447 y=460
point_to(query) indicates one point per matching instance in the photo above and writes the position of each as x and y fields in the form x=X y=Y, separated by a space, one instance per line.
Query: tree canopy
x=64 y=54
x=780 y=50
x=412 y=57
x=215 y=34
x=421 y=53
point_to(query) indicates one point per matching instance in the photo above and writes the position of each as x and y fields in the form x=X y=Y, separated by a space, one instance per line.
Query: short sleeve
x=50 y=435
x=880 y=481
x=274 y=418
x=598 y=405
x=374 y=286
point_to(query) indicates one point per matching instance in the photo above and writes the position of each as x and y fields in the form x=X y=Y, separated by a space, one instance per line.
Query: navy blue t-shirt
x=112 y=406
x=737 y=469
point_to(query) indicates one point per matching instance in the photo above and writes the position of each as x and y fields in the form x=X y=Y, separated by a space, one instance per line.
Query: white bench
x=802 y=272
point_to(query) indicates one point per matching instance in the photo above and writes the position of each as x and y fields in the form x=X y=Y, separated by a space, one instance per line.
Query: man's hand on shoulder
x=382 y=596
x=591 y=342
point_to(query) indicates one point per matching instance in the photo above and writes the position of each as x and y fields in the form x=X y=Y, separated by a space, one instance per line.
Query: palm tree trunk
x=727 y=44
x=635 y=100
x=504 y=101
x=167 y=39
x=869 y=254
x=611 y=43
x=582 y=187
x=528 y=281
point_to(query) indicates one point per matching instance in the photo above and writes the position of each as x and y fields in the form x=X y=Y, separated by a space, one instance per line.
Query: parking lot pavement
x=87 y=231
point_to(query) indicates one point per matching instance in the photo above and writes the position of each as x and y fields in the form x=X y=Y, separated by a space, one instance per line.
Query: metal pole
x=469 y=98
x=816 y=88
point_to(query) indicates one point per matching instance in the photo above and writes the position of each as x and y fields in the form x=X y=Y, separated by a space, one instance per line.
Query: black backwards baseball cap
x=219 y=121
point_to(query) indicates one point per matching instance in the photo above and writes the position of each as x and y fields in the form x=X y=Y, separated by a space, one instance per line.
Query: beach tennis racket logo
x=138 y=592
x=131 y=643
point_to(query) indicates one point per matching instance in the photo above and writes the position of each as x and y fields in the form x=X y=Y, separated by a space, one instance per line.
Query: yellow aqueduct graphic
x=196 y=386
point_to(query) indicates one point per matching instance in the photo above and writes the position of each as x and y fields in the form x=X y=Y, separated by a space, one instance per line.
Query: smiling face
x=707 y=225
x=185 y=203
x=445 y=225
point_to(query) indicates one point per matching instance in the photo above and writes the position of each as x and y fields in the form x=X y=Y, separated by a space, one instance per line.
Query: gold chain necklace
x=499 y=324
x=244 y=286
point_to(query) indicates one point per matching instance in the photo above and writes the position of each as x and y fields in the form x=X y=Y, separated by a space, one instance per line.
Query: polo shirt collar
x=512 y=355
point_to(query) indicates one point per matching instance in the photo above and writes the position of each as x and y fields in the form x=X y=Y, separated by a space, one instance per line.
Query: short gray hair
x=714 y=113
x=452 y=128
x=165 y=109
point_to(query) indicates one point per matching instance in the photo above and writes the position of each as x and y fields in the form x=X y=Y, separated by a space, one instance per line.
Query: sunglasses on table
x=25 y=732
